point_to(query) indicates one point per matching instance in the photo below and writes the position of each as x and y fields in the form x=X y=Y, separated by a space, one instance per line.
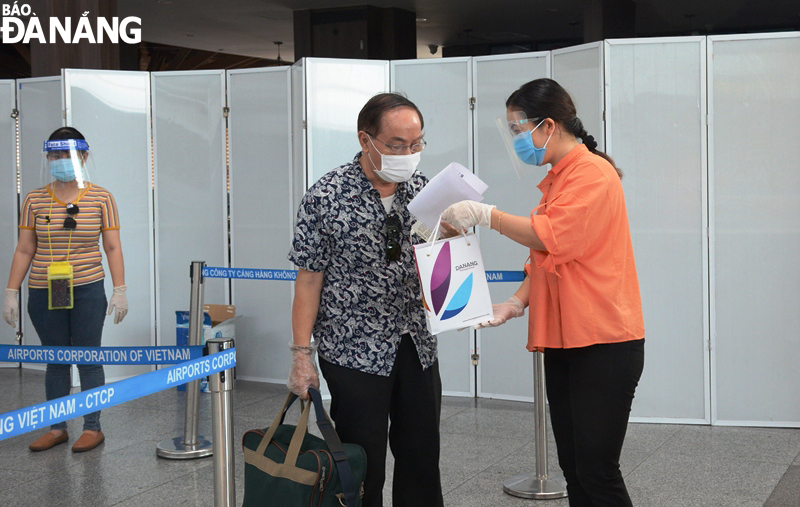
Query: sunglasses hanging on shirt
x=394 y=235
x=69 y=222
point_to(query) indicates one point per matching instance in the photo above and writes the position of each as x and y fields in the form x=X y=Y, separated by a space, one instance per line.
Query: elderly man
x=357 y=291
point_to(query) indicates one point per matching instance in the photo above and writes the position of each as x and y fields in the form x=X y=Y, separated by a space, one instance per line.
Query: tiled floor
x=484 y=442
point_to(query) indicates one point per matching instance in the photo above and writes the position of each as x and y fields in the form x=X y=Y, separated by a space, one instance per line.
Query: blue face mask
x=526 y=150
x=62 y=169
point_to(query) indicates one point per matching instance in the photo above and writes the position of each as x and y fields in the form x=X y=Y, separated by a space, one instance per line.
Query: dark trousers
x=590 y=391
x=362 y=405
x=82 y=326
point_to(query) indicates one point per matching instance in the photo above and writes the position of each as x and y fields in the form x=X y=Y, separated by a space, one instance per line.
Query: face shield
x=66 y=162
x=514 y=126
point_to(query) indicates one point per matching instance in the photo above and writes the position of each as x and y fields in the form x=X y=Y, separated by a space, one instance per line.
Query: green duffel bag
x=285 y=466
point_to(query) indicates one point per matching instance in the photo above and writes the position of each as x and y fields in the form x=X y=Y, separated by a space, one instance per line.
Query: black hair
x=65 y=133
x=371 y=115
x=545 y=98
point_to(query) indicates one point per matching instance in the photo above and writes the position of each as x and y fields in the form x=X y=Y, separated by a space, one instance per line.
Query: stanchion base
x=531 y=486
x=174 y=448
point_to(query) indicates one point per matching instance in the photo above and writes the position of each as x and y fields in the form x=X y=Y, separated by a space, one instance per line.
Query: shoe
x=47 y=441
x=87 y=442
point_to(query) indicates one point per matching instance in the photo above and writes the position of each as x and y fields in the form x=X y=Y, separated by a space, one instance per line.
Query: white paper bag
x=454 y=288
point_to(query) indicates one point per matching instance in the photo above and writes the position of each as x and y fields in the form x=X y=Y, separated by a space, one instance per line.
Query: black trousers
x=590 y=391
x=362 y=405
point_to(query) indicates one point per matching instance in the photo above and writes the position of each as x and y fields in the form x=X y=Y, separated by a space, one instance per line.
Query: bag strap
x=297 y=438
x=335 y=446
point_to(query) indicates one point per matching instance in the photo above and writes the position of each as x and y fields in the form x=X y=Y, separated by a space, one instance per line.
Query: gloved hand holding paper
x=453 y=184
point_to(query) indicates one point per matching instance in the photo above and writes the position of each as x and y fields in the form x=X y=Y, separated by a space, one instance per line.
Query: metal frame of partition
x=9 y=182
x=609 y=45
x=236 y=211
x=481 y=392
x=166 y=320
x=32 y=165
x=600 y=136
x=68 y=76
x=470 y=391
x=712 y=231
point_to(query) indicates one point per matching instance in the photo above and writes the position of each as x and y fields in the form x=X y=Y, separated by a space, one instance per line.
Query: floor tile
x=672 y=479
x=775 y=445
x=787 y=492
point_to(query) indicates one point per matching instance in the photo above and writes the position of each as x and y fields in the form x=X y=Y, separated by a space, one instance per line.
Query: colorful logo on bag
x=440 y=286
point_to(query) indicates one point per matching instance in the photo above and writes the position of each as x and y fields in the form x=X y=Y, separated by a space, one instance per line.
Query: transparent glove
x=118 y=304
x=509 y=309
x=465 y=214
x=304 y=371
x=11 y=307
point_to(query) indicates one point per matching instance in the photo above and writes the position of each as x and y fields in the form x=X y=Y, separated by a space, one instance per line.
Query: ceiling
x=251 y=27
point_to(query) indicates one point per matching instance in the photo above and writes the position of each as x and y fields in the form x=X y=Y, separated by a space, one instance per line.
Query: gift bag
x=454 y=288
x=285 y=465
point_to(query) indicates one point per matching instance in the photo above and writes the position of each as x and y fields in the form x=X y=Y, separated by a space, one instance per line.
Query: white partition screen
x=655 y=117
x=505 y=369
x=112 y=110
x=754 y=106
x=262 y=216
x=8 y=188
x=441 y=89
x=580 y=71
x=39 y=101
x=191 y=196
x=335 y=92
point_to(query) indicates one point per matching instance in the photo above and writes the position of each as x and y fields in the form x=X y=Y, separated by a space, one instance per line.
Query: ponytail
x=545 y=98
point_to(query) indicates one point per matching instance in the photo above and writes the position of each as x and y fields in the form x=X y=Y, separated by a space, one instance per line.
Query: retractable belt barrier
x=291 y=274
x=40 y=415
x=98 y=355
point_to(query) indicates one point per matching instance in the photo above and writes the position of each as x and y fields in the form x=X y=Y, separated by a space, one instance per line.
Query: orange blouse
x=584 y=289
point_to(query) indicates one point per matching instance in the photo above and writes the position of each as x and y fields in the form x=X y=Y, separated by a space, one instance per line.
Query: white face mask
x=395 y=168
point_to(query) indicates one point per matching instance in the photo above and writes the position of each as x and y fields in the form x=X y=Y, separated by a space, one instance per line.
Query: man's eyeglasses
x=69 y=222
x=399 y=149
x=394 y=235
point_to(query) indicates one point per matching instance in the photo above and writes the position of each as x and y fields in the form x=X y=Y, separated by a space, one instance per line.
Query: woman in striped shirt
x=60 y=226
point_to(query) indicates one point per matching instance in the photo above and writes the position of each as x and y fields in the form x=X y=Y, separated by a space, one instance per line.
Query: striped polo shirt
x=42 y=212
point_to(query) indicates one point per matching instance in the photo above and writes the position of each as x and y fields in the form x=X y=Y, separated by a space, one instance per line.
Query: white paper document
x=453 y=184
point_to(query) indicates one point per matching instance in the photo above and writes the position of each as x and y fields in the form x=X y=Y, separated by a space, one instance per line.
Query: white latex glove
x=118 y=304
x=304 y=372
x=509 y=309
x=11 y=307
x=465 y=214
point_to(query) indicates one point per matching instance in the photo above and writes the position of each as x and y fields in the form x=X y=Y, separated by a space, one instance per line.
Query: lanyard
x=50 y=241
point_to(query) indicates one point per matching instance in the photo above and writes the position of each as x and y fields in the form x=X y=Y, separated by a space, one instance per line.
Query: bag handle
x=297 y=438
x=335 y=445
x=436 y=235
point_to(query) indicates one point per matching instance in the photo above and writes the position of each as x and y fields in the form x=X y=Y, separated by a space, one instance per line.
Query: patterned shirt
x=43 y=213
x=366 y=301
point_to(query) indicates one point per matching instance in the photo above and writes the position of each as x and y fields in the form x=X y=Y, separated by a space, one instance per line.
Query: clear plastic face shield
x=66 y=162
x=512 y=127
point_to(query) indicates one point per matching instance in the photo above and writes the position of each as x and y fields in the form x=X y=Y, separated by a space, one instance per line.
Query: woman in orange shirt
x=581 y=286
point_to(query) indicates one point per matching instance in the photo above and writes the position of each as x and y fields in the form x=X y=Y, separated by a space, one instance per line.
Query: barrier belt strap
x=45 y=414
x=98 y=355
x=291 y=275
